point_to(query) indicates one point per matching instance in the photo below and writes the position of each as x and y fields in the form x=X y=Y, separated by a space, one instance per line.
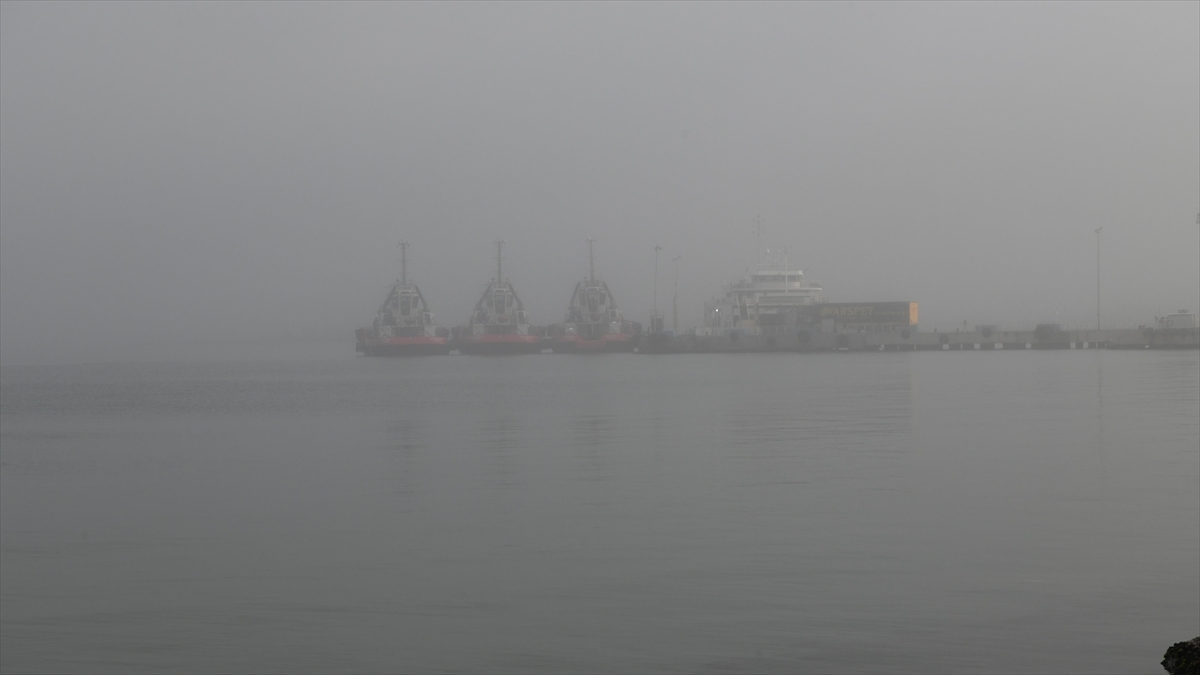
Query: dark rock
x=1183 y=658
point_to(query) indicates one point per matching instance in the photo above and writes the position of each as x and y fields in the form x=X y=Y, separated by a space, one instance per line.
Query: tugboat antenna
x=591 y=262
x=403 y=246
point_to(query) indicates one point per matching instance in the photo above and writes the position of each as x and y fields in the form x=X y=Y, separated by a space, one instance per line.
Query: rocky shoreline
x=1183 y=658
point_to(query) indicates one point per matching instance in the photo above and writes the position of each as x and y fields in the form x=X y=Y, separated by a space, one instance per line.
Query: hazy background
x=180 y=179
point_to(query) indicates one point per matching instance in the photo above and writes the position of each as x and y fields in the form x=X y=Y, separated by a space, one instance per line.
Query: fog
x=180 y=179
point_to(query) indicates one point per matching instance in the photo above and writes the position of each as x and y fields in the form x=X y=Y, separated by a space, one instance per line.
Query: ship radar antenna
x=499 y=269
x=403 y=246
x=591 y=241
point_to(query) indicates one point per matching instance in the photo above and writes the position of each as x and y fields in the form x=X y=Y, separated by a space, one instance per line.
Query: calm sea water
x=925 y=512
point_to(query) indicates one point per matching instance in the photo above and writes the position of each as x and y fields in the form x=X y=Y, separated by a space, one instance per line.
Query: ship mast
x=403 y=262
x=785 y=273
x=758 y=243
x=499 y=270
x=591 y=241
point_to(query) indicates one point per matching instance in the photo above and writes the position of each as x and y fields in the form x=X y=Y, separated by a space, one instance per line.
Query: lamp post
x=675 y=297
x=1098 y=229
x=654 y=302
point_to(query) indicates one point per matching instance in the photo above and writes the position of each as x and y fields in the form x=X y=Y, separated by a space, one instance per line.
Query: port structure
x=656 y=317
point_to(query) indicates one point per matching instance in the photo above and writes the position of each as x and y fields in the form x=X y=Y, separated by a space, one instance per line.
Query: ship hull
x=501 y=345
x=417 y=346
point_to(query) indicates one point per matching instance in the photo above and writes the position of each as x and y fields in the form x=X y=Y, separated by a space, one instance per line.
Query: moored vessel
x=499 y=324
x=404 y=324
x=593 y=322
x=767 y=301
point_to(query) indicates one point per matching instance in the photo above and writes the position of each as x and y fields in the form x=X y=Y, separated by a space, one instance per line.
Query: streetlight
x=1098 y=229
x=655 y=322
x=675 y=298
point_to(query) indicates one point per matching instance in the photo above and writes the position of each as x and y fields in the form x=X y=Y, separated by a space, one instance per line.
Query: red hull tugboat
x=499 y=324
x=404 y=325
x=594 y=324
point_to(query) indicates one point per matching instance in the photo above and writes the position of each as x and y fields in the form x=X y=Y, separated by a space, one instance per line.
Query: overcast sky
x=234 y=174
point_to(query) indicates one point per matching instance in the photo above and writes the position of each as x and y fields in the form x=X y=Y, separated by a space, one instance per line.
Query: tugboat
x=593 y=324
x=404 y=325
x=499 y=324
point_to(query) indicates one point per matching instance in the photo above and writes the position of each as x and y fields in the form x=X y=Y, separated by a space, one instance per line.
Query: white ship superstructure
x=762 y=303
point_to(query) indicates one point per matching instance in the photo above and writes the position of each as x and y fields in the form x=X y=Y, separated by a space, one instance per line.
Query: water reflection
x=824 y=413
x=892 y=512
x=501 y=439
x=593 y=437
x=408 y=441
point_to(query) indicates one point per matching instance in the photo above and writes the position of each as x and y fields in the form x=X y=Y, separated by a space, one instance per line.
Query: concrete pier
x=810 y=340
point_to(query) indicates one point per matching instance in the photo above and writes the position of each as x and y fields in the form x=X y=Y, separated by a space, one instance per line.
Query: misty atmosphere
x=183 y=179
x=217 y=219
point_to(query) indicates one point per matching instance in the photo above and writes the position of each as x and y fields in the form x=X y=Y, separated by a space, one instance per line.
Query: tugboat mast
x=499 y=245
x=403 y=262
x=591 y=241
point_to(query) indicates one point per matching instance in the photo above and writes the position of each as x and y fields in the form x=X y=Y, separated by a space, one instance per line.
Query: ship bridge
x=761 y=300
